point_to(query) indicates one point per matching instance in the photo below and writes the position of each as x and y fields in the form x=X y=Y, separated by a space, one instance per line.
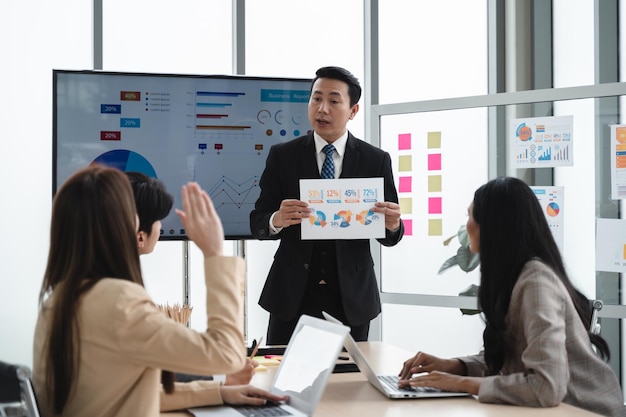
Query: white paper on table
x=341 y=208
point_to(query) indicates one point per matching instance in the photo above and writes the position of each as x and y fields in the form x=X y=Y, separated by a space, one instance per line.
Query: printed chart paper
x=551 y=200
x=341 y=208
x=542 y=142
x=611 y=245
x=618 y=162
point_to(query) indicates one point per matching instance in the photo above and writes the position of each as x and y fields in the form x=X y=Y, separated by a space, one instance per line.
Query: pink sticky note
x=434 y=205
x=405 y=184
x=404 y=141
x=434 y=162
x=408 y=227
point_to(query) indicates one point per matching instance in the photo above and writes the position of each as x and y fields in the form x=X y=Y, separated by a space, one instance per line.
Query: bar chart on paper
x=541 y=141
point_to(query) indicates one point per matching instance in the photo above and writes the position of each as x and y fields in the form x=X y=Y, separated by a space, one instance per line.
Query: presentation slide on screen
x=216 y=130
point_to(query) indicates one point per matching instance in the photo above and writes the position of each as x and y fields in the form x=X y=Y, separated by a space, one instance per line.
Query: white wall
x=36 y=36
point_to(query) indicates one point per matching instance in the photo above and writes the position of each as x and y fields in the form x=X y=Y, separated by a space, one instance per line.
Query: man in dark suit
x=311 y=276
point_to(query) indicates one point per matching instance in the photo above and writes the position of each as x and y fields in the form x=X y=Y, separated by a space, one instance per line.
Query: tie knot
x=328 y=149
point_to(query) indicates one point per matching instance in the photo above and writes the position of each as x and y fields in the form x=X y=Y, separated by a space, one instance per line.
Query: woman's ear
x=141 y=239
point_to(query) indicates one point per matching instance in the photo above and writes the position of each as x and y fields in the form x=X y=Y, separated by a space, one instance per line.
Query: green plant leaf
x=463 y=236
x=471 y=291
x=467 y=260
x=448 y=240
x=449 y=263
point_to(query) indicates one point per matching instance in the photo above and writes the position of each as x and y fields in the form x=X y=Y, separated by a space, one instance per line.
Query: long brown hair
x=92 y=236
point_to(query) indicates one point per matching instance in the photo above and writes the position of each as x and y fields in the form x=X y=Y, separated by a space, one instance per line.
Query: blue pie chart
x=126 y=161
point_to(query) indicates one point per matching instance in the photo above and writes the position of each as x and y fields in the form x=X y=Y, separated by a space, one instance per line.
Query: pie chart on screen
x=553 y=209
x=126 y=161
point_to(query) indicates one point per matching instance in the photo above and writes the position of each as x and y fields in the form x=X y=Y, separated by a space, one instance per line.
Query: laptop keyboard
x=267 y=410
x=392 y=382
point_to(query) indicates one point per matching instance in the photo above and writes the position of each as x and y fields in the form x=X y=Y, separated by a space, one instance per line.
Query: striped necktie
x=328 y=167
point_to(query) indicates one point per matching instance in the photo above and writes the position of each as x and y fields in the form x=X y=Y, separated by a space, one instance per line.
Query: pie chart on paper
x=365 y=217
x=343 y=218
x=319 y=219
x=553 y=209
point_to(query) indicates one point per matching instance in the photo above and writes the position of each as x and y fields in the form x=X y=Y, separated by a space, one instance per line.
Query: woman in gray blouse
x=538 y=349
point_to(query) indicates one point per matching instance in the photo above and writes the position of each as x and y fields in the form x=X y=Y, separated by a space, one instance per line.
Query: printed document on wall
x=618 y=162
x=341 y=208
x=611 y=245
x=541 y=142
x=551 y=200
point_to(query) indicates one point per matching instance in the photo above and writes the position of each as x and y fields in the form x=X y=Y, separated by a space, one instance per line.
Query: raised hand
x=201 y=221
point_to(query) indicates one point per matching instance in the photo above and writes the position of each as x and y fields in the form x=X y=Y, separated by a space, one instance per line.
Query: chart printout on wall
x=551 y=199
x=618 y=162
x=541 y=142
x=215 y=130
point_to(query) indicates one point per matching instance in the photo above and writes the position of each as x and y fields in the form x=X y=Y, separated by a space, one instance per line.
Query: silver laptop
x=388 y=384
x=308 y=361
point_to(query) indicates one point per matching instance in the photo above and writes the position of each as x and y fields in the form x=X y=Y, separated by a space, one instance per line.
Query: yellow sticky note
x=435 y=227
x=434 y=140
x=434 y=183
x=406 y=205
x=262 y=360
x=405 y=163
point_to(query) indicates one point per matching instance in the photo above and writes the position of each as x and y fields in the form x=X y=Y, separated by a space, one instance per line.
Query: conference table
x=349 y=394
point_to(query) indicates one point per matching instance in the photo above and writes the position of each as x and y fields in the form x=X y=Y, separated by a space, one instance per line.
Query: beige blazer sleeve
x=145 y=335
x=191 y=394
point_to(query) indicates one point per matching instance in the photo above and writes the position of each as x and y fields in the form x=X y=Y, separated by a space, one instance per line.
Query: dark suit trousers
x=322 y=294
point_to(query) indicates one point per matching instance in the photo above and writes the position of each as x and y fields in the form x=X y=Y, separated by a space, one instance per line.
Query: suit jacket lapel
x=351 y=157
x=308 y=159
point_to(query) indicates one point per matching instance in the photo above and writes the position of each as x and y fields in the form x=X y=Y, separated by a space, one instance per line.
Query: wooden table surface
x=349 y=394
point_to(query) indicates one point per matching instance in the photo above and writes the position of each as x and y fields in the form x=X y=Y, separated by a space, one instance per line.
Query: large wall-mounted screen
x=216 y=130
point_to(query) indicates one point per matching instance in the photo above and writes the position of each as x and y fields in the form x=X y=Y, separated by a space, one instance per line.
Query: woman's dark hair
x=514 y=230
x=151 y=198
x=341 y=74
x=153 y=203
x=92 y=236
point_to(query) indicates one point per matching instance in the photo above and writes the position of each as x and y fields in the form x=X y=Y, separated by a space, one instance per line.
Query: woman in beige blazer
x=538 y=348
x=100 y=341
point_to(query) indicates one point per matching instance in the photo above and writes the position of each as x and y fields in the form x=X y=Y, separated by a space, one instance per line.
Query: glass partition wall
x=438 y=165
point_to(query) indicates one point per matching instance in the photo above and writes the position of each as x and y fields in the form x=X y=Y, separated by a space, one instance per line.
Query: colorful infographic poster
x=341 y=208
x=551 y=201
x=611 y=245
x=618 y=162
x=541 y=142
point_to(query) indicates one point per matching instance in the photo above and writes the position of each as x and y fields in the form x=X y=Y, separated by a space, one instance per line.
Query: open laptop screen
x=308 y=361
